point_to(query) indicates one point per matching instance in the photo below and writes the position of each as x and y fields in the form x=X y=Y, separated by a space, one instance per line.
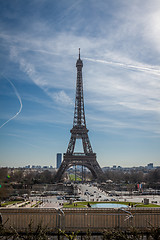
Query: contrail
x=128 y=66
x=19 y=98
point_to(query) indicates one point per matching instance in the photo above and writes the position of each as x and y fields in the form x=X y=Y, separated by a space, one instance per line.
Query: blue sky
x=119 y=41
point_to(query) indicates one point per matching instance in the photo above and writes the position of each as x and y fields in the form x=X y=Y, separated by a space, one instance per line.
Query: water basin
x=108 y=205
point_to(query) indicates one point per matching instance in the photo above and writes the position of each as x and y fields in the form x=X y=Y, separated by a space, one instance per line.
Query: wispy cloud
x=27 y=67
x=147 y=69
x=63 y=98
x=20 y=101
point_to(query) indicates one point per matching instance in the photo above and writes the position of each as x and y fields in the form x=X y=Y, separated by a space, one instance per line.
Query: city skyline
x=149 y=166
x=120 y=51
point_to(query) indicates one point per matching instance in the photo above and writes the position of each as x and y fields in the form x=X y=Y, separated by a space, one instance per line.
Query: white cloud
x=62 y=98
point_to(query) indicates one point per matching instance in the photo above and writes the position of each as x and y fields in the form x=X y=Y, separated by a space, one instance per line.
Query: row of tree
x=36 y=177
x=26 y=177
x=133 y=176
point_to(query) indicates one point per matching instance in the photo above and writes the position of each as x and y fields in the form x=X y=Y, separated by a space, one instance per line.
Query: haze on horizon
x=119 y=41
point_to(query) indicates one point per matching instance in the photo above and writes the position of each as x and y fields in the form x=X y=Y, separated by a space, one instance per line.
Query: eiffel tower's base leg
x=88 y=161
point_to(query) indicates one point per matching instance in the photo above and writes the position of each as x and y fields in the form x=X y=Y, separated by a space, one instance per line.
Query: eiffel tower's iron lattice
x=79 y=131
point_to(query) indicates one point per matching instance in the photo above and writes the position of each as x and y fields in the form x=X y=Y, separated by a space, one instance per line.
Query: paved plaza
x=88 y=192
x=85 y=192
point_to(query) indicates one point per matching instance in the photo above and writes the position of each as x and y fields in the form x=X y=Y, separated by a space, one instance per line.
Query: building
x=59 y=159
x=150 y=166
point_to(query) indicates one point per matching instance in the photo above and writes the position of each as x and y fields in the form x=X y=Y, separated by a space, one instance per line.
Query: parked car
x=113 y=200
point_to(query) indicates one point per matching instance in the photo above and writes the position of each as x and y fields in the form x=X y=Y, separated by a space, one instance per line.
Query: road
x=92 y=193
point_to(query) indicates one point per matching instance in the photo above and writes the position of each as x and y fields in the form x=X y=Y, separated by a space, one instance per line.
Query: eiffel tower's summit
x=79 y=131
x=79 y=61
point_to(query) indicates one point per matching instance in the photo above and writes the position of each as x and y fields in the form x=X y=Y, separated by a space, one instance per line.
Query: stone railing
x=80 y=219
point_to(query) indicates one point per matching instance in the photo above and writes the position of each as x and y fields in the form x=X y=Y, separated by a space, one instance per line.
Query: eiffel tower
x=79 y=131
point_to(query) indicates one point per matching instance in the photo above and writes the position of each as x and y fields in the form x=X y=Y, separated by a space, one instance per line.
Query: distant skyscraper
x=150 y=166
x=59 y=159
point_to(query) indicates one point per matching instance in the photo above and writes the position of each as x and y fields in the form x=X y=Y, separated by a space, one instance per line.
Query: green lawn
x=9 y=203
x=84 y=204
x=78 y=205
x=72 y=177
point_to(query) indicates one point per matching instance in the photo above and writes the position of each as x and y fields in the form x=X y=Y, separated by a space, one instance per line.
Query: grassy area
x=84 y=204
x=72 y=178
x=23 y=205
x=136 y=204
x=78 y=205
x=148 y=205
x=37 y=204
x=9 y=203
